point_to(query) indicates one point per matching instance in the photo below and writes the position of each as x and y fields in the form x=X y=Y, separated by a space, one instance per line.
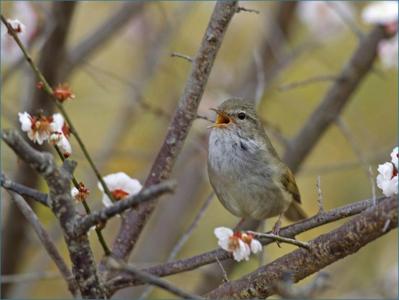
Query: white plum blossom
x=388 y=53
x=324 y=19
x=240 y=244
x=394 y=157
x=38 y=129
x=120 y=185
x=52 y=129
x=25 y=20
x=74 y=193
x=59 y=134
x=60 y=140
x=232 y=243
x=256 y=246
x=381 y=12
x=387 y=179
x=385 y=13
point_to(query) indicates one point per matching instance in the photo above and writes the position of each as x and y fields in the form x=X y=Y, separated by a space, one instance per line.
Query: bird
x=245 y=171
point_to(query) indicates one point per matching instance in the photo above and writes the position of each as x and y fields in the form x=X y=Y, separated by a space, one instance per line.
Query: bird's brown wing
x=288 y=181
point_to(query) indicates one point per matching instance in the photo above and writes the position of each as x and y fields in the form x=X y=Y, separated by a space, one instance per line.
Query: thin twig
x=103 y=215
x=319 y=195
x=280 y=239
x=23 y=190
x=224 y=273
x=346 y=19
x=186 y=57
x=150 y=279
x=186 y=235
x=305 y=82
x=372 y=183
x=28 y=277
x=46 y=242
x=243 y=9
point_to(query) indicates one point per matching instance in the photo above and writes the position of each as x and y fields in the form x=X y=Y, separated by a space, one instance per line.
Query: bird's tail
x=295 y=212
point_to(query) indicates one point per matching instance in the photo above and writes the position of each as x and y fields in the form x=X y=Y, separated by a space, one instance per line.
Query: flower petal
x=223 y=232
x=256 y=246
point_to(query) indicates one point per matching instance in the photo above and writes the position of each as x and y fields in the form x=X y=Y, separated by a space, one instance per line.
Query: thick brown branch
x=181 y=123
x=103 y=215
x=48 y=244
x=61 y=203
x=324 y=250
x=335 y=100
x=191 y=263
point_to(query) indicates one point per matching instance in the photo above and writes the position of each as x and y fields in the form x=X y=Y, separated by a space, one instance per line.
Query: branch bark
x=324 y=250
x=183 y=118
x=50 y=62
x=61 y=203
x=335 y=100
x=48 y=244
x=23 y=190
x=191 y=263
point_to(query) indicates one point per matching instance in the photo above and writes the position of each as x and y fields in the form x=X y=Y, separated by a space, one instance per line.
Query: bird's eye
x=241 y=116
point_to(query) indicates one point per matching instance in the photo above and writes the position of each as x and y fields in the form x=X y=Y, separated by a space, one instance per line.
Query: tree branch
x=103 y=215
x=150 y=279
x=23 y=190
x=181 y=123
x=46 y=241
x=50 y=60
x=182 y=265
x=61 y=203
x=324 y=250
x=101 y=35
x=335 y=100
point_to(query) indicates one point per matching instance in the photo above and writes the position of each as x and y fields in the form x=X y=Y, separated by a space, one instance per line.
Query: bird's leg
x=239 y=225
x=276 y=228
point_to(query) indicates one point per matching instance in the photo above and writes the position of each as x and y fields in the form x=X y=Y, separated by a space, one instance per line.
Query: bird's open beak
x=222 y=119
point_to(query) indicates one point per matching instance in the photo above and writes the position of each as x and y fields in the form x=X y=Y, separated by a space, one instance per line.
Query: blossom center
x=119 y=194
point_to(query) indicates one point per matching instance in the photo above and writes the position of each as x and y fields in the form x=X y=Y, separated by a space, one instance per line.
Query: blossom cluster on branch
x=52 y=129
x=387 y=179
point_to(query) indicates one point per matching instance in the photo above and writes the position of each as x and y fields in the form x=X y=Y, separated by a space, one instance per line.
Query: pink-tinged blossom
x=120 y=185
x=240 y=244
x=387 y=179
x=394 y=157
x=60 y=140
x=325 y=19
x=388 y=53
x=381 y=12
x=59 y=135
x=232 y=243
x=38 y=129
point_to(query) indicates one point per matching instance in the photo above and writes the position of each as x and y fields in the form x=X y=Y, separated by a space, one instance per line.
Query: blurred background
x=116 y=57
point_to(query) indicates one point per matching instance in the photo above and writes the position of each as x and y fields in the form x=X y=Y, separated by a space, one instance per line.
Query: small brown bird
x=244 y=169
